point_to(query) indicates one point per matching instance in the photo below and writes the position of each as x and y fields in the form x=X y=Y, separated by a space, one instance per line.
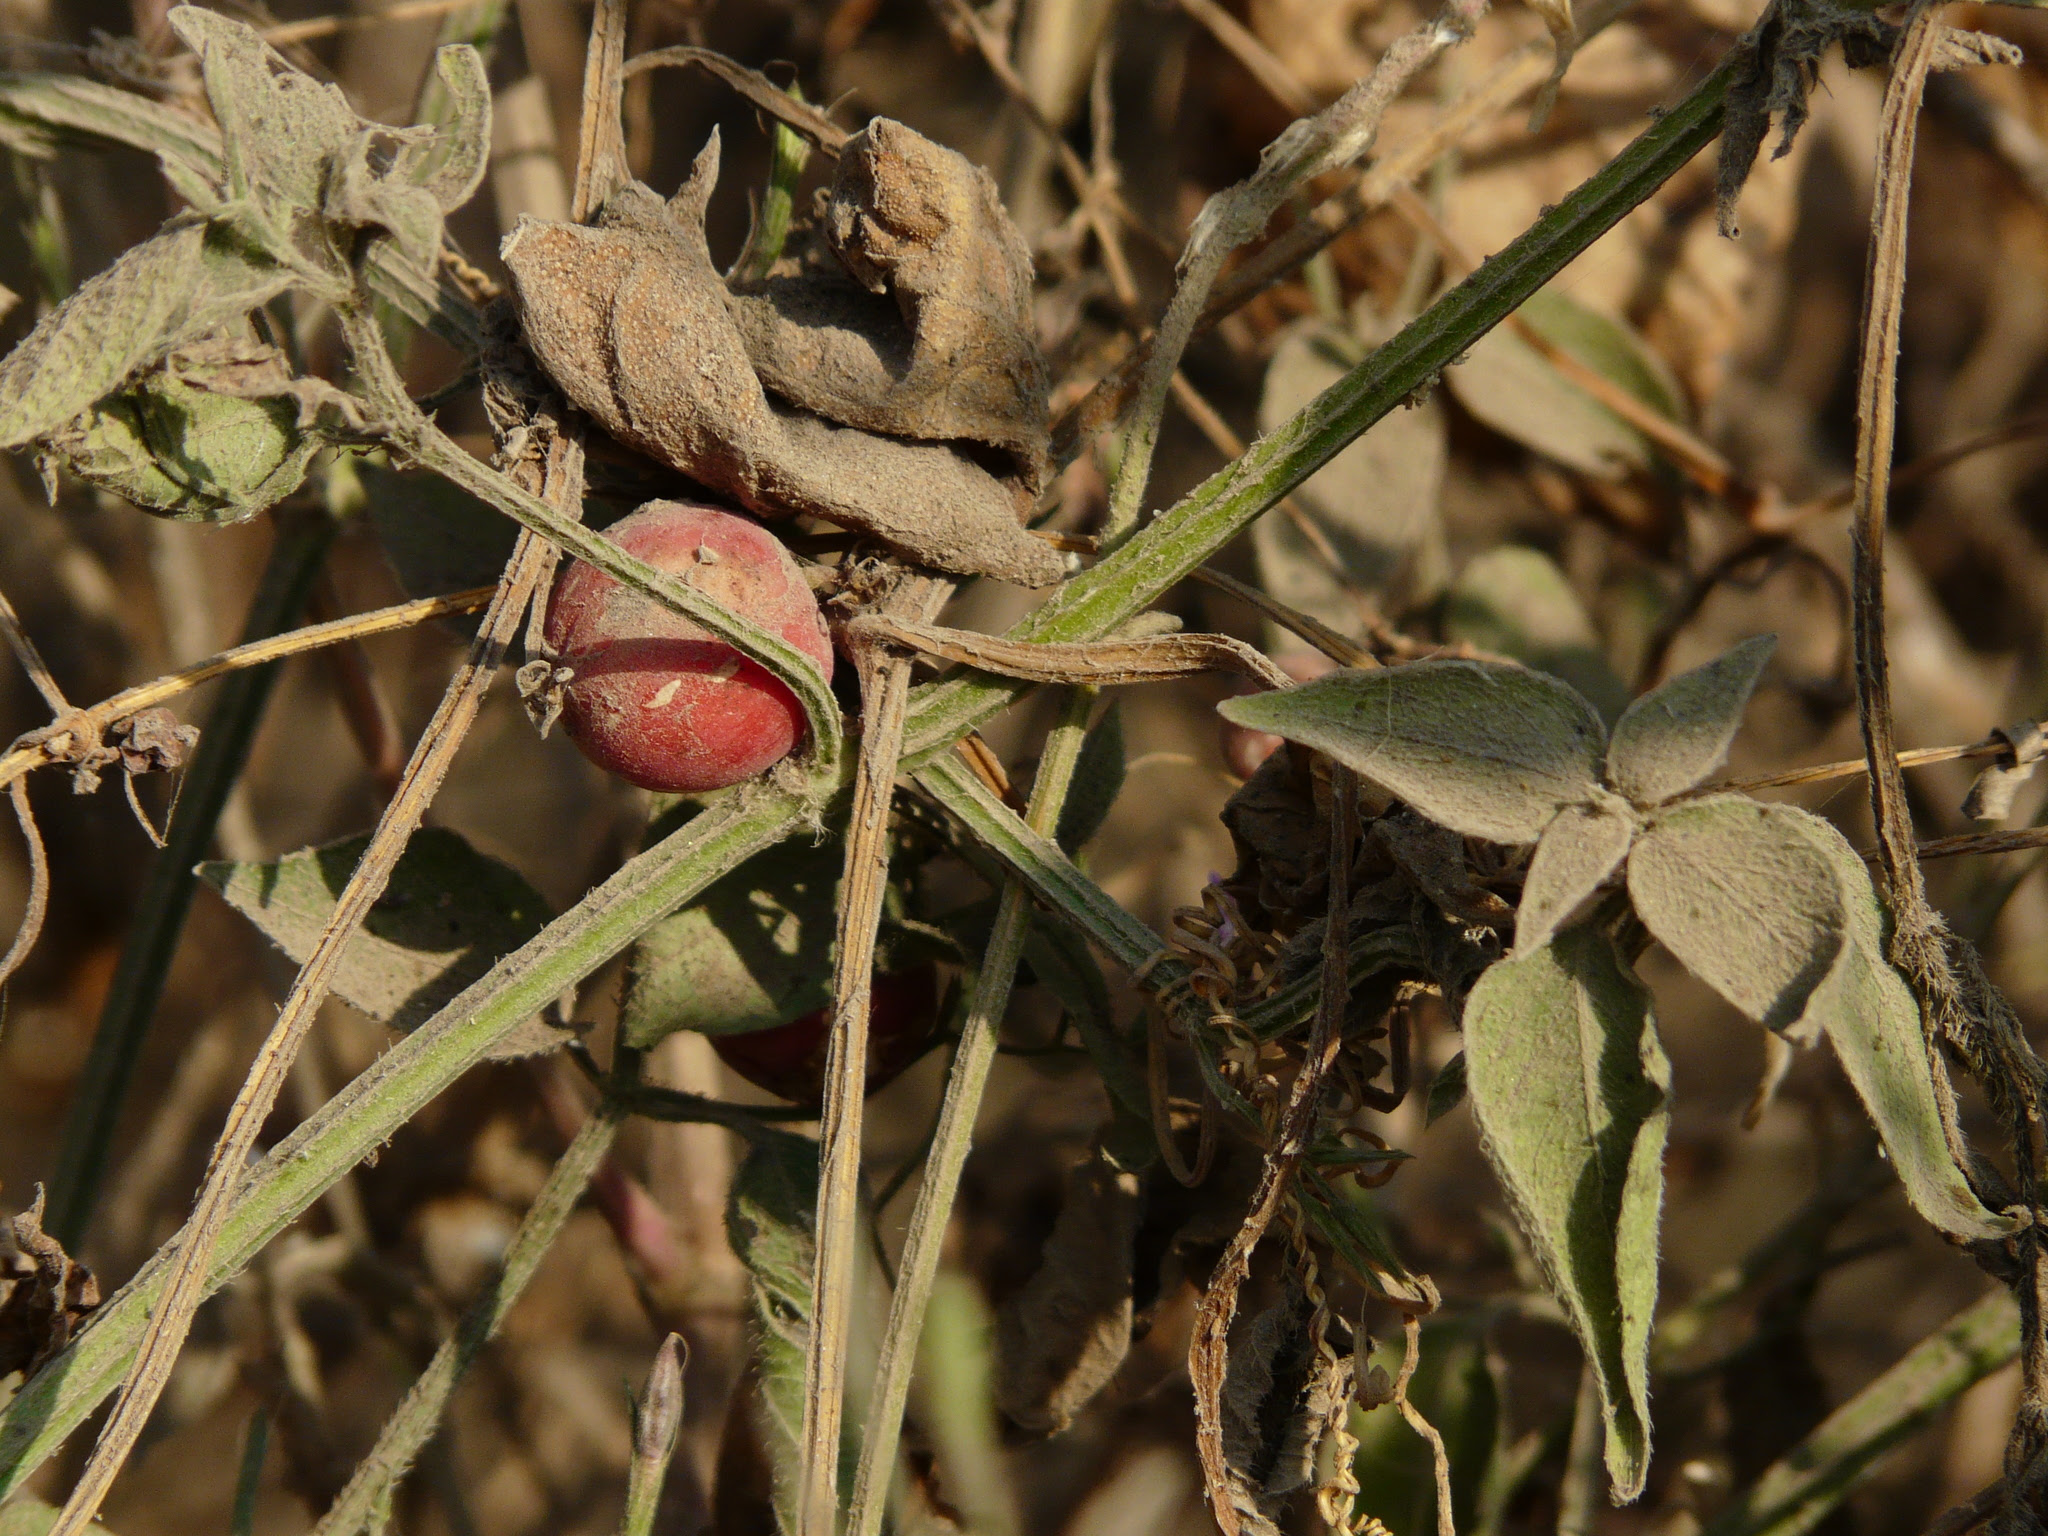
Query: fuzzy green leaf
x=174 y=286
x=1736 y=891
x=448 y=915
x=278 y=125
x=1676 y=734
x=1568 y=1082
x=1580 y=849
x=1487 y=750
x=770 y=1221
x=1872 y=1020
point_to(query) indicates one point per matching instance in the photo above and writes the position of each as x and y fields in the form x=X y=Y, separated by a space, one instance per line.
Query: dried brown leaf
x=632 y=321
x=51 y=1296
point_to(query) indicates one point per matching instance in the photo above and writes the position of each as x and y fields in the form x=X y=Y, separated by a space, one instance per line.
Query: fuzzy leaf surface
x=770 y=1220
x=1517 y=602
x=448 y=915
x=1568 y=1082
x=1487 y=750
x=1676 y=734
x=1581 y=848
x=1870 y=1016
x=1738 y=893
x=180 y=282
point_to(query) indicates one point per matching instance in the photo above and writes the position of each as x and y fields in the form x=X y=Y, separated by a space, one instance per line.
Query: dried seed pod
x=631 y=320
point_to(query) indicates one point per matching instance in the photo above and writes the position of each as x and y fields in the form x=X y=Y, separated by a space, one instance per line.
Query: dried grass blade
x=885 y=698
x=757 y=88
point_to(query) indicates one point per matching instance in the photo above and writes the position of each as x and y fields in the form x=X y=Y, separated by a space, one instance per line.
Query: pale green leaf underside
x=1676 y=734
x=448 y=915
x=1871 y=1017
x=1487 y=750
x=1581 y=848
x=1568 y=1082
x=1737 y=893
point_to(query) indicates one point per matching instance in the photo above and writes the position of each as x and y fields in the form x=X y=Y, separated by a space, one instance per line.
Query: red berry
x=655 y=697
x=789 y=1061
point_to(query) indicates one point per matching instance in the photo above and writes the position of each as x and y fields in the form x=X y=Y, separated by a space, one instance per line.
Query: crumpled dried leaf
x=51 y=1296
x=1265 y=1409
x=1097 y=663
x=1991 y=796
x=632 y=321
x=448 y=915
x=1060 y=1339
x=951 y=354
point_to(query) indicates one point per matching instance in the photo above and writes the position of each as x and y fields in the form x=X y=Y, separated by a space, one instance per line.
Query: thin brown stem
x=31 y=659
x=885 y=696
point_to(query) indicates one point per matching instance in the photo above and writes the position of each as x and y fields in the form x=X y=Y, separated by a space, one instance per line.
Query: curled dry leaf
x=933 y=336
x=1098 y=663
x=634 y=324
x=1061 y=1338
x=50 y=1297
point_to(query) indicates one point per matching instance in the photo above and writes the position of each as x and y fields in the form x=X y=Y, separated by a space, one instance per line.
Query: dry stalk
x=1208 y=1350
x=885 y=696
x=1960 y=1008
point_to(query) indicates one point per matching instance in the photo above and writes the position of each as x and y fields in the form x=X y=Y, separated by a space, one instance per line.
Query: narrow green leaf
x=1676 y=734
x=1736 y=890
x=1487 y=750
x=770 y=1220
x=1871 y=1018
x=1568 y=1082
x=1446 y=1090
x=448 y=915
x=1576 y=853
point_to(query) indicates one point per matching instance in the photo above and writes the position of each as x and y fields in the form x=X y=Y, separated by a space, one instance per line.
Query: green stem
x=51 y=1405
x=370 y=1110
x=955 y=1135
x=414 y=1422
x=1796 y=1493
x=1139 y=573
x=138 y=982
x=656 y=1420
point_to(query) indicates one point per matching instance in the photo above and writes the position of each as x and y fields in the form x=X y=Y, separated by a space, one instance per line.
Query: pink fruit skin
x=656 y=699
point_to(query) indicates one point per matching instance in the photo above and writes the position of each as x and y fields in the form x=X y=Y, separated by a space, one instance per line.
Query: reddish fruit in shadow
x=789 y=1061
x=655 y=697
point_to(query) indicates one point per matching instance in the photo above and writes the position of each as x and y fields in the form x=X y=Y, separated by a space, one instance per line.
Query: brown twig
x=885 y=696
x=38 y=905
x=1972 y=1512
x=31 y=659
x=1338 y=648
x=50 y=744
